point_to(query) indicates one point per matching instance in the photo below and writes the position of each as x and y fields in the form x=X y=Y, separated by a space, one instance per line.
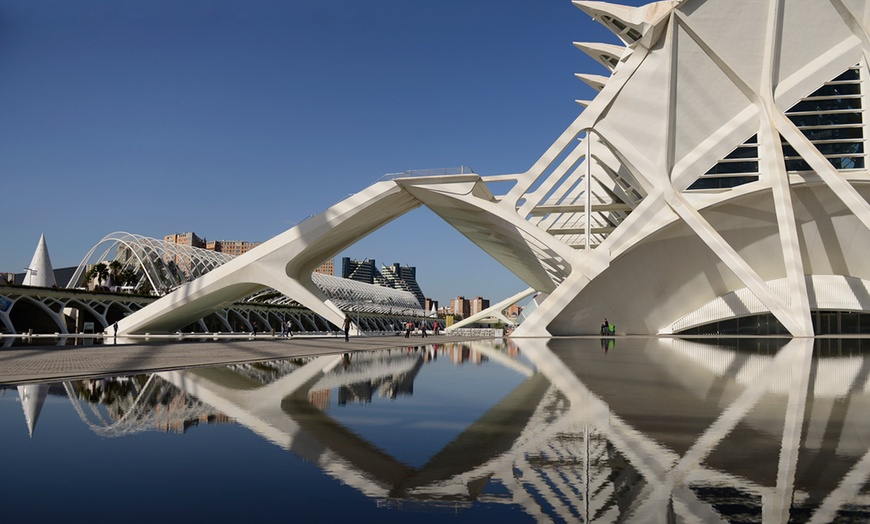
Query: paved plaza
x=42 y=361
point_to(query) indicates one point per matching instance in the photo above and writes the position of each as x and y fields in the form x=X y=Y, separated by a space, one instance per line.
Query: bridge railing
x=476 y=332
x=416 y=173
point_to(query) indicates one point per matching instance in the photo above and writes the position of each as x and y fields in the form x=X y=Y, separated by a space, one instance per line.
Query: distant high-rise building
x=359 y=270
x=461 y=306
x=395 y=276
x=478 y=304
x=513 y=311
x=327 y=268
x=401 y=277
x=232 y=247
x=186 y=239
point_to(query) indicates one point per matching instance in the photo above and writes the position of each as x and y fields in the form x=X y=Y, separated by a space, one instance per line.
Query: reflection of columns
x=800 y=353
x=650 y=459
x=658 y=495
x=847 y=491
x=282 y=413
x=258 y=408
x=667 y=473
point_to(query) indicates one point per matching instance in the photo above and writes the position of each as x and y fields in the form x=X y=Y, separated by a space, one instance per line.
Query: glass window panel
x=726 y=168
x=850 y=322
x=838 y=89
x=744 y=152
x=833 y=104
x=849 y=74
x=827 y=322
x=721 y=183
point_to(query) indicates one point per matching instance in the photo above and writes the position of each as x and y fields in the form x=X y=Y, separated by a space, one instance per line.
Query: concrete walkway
x=34 y=363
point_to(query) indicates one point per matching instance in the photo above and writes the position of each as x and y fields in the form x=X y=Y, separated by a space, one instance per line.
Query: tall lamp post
x=356 y=308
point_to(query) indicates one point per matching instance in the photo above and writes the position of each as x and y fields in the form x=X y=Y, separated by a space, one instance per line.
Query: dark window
x=832 y=119
x=824 y=323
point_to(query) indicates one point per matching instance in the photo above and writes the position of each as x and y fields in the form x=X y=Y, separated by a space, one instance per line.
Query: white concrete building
x=716 y=183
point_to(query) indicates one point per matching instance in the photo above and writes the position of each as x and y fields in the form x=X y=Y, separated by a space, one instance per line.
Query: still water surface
x=562 y=430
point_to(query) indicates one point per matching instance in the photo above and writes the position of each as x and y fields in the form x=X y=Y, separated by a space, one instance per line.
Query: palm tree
x=115 y=268
x=128 y=276
x=101 y=271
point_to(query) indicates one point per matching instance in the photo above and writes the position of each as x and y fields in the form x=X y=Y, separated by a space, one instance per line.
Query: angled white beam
x=597 y=207
x=657 y=495
x=735 y=263
x=284 y=263
x=494 y=309
x=773 y=166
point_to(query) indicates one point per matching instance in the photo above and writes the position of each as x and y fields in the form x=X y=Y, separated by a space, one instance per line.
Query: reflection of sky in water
x=225 y=472
x=685 y=430
x=447 y=398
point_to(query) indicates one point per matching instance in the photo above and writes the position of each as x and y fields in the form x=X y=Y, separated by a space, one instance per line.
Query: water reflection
x=770 y=430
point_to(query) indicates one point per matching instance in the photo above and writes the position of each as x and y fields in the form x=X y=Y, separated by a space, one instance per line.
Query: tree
x=115 y=269
x=101 y=272
x=129 y=276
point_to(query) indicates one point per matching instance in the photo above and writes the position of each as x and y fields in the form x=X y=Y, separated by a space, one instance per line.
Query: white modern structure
x=716 y=183
x=40 y=272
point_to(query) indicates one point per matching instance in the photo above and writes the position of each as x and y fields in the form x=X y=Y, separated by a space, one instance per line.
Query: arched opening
x=27 y=315
x=215 y=323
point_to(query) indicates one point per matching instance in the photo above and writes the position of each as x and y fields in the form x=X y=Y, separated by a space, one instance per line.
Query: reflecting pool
x=566 y=430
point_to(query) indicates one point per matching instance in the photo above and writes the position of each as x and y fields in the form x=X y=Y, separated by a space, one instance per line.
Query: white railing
x=476 y=332
x=417 y=173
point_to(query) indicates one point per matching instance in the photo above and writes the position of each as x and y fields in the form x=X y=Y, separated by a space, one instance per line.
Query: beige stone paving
x=34 y=364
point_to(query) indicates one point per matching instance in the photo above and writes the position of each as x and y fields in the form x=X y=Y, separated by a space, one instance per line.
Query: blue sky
x=237 y=120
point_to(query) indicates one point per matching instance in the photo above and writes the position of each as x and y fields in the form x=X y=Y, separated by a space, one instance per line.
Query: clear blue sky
x=237 y=120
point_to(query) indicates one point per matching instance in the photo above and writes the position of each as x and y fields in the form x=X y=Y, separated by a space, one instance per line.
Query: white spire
x=596 y=82
x=607 y=55
x=39 y=272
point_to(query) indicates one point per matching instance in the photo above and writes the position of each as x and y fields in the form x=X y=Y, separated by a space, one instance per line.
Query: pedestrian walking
x=346 y=328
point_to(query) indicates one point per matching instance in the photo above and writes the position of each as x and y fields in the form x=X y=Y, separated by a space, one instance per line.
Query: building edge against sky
x=716 y=183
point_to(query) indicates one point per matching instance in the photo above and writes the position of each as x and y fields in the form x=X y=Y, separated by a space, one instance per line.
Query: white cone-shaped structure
x=32 y=397
x=39 y=272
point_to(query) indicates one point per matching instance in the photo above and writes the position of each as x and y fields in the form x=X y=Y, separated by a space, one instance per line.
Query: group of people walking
x=286 y=329
x=409 y=327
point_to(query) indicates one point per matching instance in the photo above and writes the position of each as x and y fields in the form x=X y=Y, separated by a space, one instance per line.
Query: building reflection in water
x=659 y=429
